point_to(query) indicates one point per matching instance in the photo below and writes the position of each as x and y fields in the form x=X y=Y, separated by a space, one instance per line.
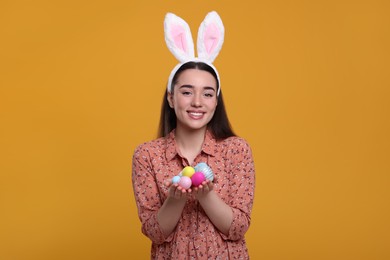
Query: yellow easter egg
x=188 y=171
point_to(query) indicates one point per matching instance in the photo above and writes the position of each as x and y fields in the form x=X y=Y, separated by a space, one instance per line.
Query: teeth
x=196 y=114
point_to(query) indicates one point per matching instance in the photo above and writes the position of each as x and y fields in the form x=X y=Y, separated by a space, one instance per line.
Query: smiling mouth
x=196 y=115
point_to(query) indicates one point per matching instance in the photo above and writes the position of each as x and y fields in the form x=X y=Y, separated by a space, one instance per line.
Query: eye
x=186 y=93
x=208 y=94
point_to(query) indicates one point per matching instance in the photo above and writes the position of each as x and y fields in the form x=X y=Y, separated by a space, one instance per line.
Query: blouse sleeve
x=147 y=196
x=241 y=173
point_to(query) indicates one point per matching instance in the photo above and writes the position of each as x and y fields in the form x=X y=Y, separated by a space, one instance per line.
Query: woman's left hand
x=203 y=189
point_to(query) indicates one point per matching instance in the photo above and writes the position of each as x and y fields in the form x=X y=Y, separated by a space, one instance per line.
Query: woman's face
x=194 y=99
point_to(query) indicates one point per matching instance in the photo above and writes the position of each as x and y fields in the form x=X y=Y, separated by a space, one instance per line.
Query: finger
x=208 y=186
x=172 y=190
x=177 y=190
x=177 y=193
x=182 y=190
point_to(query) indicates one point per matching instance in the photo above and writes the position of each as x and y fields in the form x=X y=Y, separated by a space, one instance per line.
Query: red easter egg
x=197 y=178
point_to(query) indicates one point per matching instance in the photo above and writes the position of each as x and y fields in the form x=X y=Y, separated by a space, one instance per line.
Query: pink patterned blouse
x=195 y=236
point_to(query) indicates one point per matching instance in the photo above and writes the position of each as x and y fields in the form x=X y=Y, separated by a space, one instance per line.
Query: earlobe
x=170 y=99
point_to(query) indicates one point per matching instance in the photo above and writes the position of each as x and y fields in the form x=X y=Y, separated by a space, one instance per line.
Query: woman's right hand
x=170 y=212
x=176 y=191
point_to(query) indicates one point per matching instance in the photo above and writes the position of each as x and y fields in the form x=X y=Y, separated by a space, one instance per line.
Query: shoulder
x=156 y=146
x=234 y=146
x=235 y=142
x=235 y=149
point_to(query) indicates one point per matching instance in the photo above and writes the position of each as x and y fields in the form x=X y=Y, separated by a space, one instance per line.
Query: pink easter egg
x=185 y=182
x=197 y=179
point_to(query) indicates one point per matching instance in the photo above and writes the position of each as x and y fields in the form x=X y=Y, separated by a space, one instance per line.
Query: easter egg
x=188 y=171
x=206 y=170
x=185 y=182
x=197 y=179
x=176 y=179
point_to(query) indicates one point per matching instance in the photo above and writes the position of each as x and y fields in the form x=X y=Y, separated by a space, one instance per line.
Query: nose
x=196 y=101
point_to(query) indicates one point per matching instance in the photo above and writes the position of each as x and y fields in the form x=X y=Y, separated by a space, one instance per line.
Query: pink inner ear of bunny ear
x=211 y=37
x=179 y=37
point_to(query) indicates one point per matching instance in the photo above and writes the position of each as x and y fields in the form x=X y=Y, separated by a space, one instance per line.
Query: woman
x=208 y=221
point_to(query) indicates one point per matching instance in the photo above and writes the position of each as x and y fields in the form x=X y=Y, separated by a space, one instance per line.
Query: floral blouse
x=195 y=236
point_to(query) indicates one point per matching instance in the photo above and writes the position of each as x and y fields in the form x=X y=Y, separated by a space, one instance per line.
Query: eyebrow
x=190 y=86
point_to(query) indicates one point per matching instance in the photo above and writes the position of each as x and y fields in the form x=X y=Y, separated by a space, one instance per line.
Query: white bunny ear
x=210 y=37
x=178 y=37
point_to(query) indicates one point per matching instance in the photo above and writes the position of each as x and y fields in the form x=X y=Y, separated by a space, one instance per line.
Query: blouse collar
x=209 y=145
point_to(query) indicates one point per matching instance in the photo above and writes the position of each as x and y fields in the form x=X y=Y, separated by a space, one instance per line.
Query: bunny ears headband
x=179 y=41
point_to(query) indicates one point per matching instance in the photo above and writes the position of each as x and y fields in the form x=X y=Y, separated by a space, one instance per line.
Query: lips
x=196 y=114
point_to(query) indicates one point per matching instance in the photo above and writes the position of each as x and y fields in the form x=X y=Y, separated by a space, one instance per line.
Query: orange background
x=305 y=82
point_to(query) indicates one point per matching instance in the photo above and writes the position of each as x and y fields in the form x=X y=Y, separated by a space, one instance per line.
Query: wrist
x=176 y=200
x=203 y=197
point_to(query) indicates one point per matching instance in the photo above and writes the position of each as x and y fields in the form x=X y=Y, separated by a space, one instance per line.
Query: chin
x=192 y=127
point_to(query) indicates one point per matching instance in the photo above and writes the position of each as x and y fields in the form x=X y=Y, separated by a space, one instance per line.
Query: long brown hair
x=219 y=125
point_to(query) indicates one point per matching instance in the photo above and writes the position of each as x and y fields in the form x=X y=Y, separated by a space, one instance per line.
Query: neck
x=190 y=142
